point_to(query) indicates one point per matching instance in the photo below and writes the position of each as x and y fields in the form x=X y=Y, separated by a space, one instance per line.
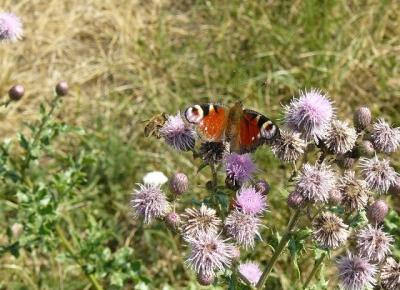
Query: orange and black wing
x=254 y=129
x=210 y=120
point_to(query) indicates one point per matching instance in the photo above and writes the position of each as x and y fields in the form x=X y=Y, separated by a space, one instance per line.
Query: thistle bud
x=62 y=88
x=367 y=149
x=179 y=183
x=335 y=196
x=362 y=118
x=173 y=220
x=262 y=186
x=345 y=161
x=395 y=187
x=377 y=211
x=16 y=92
x=295 y=200
x=205 y=279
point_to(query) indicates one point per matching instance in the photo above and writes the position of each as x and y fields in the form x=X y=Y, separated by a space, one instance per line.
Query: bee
x=154 y=124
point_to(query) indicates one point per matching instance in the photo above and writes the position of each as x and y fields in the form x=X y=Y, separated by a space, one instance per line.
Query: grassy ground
x=127 y=60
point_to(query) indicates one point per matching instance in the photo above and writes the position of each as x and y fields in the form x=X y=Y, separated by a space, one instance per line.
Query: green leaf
x=202 y=166
x=23 y=142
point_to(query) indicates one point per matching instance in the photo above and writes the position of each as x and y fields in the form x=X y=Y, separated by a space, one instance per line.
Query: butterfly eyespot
x=194 y=114
x=268 y=130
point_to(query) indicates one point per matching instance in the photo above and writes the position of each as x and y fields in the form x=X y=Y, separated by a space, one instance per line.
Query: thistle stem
x=317 y=264
x=71 y=250
x=214 y=176
x=281 y=246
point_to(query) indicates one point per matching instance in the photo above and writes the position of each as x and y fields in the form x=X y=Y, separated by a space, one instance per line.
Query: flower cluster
x=338 y=172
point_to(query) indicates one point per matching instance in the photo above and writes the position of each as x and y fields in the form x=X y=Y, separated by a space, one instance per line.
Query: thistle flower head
x=373 y=243
x=378 y=174
x=251 y=201
x=10 y=27
x=251 y=271
x=178 y=134
x=156 y=178
x=356 y=273
x=315 y=182
x=340 y=137
x=242 y=227
x=288 y=146
x=335 y=196
x=354 y=192
x=205 y=279
x=197 y=221
x=208 y=253
x=149 y=202
x=362 y=118
x=16 y=92
x=310 y=114
x=262 y=186
x=377 y=211
x=329 y=231
x=179 y=183
x=295 y=200
x=239 y=167
x=213 y=152
x=390 y=275
x=173 y=220
x=384 y=137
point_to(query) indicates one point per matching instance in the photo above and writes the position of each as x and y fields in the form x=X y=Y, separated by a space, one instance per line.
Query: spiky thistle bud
x=378 y=173
x=295 y=200
x=179 y=183
x=173 y=220
x=340 y=137
x=205 y=279
x=377 y=212
x=329 y=231
x=16 y=92
x=288 y=146
x=384 y=137
x=262 y=186
x=362 y=118
x=354 y=192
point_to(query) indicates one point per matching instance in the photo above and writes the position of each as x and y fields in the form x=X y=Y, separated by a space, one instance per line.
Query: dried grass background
x=126 y=60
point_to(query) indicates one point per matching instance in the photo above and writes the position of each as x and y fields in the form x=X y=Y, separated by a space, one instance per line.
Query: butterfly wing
x=210 y=120
x=254 y=129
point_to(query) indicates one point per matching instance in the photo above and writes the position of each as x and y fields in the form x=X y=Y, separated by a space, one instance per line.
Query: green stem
x=281 y=246
x=38 y=133
x=71 y=250
x=317 y=264
x=214 y=176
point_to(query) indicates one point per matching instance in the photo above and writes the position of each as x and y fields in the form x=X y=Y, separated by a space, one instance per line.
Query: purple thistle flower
x=242 y=227
x=329 y=231
x=378 y=174
x=316 y=182
x=208 y=253
x=340 y=137
x=288 y=146
x=373 y=243
x=239 y=168
x=390 y=275
x=251 y=201
x=384 y=137
x=251 y=271
x=310 y=114
x=10 y=27
x=354 y=192
x=173 y=220
x=178 y=134
x=149 y=202
x=356 y=273
x=197 y=221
